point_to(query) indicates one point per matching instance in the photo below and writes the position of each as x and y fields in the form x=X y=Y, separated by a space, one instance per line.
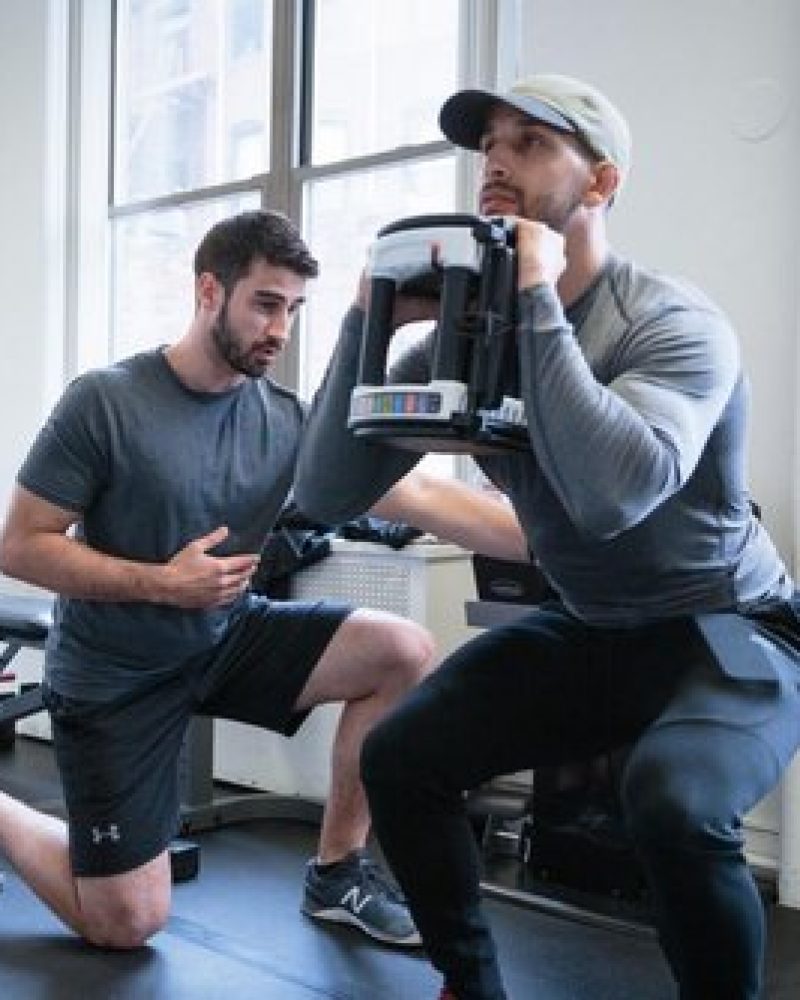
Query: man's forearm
x=478 y=521
x=66 y=566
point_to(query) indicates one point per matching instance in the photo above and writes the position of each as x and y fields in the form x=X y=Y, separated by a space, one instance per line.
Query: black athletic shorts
x=119 y=759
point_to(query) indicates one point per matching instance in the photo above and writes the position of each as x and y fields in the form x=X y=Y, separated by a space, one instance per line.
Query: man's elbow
x=11 y=553
x=604 y=522
x=519 y=547
x=400 y=502
x=604 y=515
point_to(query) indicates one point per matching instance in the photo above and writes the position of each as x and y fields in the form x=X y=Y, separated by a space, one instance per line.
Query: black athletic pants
x=548 y=689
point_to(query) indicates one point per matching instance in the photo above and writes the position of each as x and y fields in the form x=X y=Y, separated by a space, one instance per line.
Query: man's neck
x=197 y=365
x=587 y=253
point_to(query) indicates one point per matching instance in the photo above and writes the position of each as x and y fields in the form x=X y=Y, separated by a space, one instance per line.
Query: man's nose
x=494 y=166
x=279 y=325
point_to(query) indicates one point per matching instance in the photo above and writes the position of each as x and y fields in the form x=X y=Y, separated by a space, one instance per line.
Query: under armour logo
x=355 y=899
x=110 y=833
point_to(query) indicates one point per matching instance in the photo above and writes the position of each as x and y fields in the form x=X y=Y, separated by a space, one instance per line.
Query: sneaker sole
x=338 y=915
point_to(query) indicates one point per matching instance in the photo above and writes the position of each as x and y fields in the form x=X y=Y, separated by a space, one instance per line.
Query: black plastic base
x=8 y=730
x=422 y=436
x=184 y=860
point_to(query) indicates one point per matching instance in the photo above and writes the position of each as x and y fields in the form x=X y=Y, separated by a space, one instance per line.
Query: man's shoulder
x=642 y=292
x=116 y=388
x=126 y=371
x=657 y=312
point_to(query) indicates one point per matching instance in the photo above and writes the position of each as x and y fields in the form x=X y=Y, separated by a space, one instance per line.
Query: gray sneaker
x=360 y=893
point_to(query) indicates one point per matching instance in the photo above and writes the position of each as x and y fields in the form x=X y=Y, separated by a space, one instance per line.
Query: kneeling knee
x=124 y=927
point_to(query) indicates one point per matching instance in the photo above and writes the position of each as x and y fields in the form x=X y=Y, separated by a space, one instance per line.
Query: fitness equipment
x=468 y=264
x=24 y=621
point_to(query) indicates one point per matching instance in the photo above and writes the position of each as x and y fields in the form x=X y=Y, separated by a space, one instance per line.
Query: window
x=380 y=72
x=180 y=104
x=247 y=149
x=324 y=109
x=245 y=28
x=365 y=102
x=346 y=210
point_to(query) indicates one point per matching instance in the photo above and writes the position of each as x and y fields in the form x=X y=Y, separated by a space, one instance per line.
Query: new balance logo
x=356 y=899
x=111 y=833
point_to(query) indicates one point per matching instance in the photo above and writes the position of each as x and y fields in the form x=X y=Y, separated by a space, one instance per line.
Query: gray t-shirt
x=150 y=466
x=633 y=494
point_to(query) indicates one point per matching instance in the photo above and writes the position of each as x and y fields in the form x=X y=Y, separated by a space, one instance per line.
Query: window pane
x=344 y=213
x=153 y=292
x=193 y=90
x=381 y=73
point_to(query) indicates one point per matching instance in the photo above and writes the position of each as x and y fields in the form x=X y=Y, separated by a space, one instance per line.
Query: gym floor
x=236 y=931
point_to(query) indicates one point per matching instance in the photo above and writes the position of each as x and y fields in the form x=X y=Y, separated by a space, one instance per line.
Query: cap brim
x=464 y=115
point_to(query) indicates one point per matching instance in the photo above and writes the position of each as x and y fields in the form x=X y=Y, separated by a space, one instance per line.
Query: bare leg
x=371 y=662
x=118 y=911
x=36 y=845
x=373 y=659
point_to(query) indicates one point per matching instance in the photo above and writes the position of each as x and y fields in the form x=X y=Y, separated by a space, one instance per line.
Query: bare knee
x=412 y=653
x=124 y=925
x=125 y=911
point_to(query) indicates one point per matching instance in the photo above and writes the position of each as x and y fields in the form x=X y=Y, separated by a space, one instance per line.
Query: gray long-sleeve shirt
x=633 y=495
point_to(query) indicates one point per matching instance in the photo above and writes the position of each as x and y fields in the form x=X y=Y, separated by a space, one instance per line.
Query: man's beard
x=555 y=210
x=552 y=209
x=231 y=351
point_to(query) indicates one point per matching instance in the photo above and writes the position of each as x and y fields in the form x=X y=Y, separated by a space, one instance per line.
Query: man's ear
x=207 y=291
x=603 y=186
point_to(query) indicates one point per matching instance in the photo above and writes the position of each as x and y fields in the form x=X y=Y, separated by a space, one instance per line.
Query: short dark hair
x=230 y=247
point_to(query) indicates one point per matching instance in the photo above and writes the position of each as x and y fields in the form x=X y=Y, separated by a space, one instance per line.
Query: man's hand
x=195 y=579
x=541 y=257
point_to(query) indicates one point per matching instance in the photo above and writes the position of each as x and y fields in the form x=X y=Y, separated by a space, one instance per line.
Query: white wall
x=711 y=89
x=31 y=226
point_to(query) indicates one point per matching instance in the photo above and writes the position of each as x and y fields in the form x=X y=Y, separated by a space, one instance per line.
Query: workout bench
x=25 y=621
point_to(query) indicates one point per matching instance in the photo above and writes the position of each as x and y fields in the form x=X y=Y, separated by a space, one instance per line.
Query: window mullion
x=479 y=66
x=286 y=49
x=282 y=190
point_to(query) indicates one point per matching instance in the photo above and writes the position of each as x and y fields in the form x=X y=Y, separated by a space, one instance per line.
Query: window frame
x=486 y=27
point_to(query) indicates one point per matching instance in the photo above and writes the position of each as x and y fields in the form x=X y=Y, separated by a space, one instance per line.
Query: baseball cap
x=562 y=102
